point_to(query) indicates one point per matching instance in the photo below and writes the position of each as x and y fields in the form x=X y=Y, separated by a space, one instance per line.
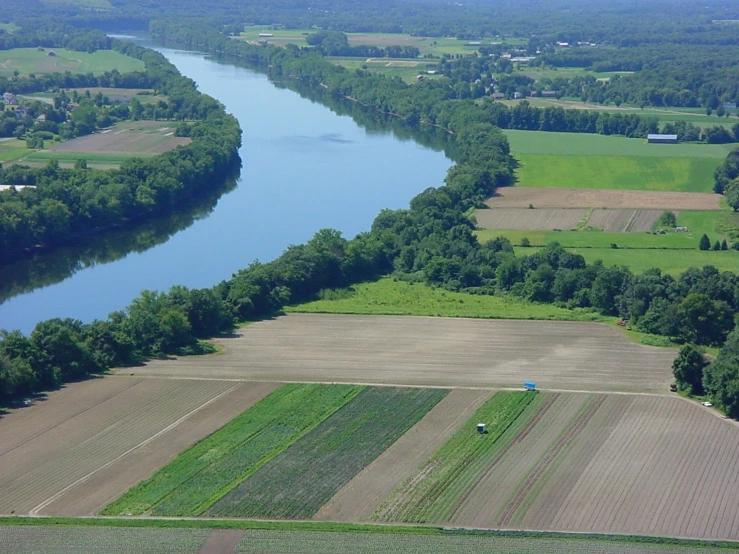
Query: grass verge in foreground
x=203 y=474
x=49 y=523
x=305 y=476
x=138 y=539
x=391 y=297
x=435 y=487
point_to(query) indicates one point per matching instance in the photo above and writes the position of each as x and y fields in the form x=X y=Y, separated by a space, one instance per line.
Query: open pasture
x=426 y=351
x=584 y=144
x=583 y=463
x=31 y=60
x=521 y=197
x=658 y=173
x=102 y=539
x=299 y=481
x=81 y=447
x=673 y=262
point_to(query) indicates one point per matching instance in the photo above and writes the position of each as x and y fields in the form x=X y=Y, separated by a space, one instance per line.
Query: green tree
x=731 y=193
x=724 y=245
x=688 y=369
x=704 y=321
x=705 y=243
x=716 y=246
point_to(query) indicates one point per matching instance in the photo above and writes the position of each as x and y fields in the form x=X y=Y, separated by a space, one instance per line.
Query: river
x=305 y=168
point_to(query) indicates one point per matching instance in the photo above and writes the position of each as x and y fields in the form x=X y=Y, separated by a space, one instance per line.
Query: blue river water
x=304 y=168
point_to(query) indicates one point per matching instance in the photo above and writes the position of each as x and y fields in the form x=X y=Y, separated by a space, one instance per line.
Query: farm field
x=81 y=447
x=406 y=69
x=361 y=496
x=521 y=197
x=427 y=351
x=54 y=539
x=299 y=481
x=659 y=173
x=202 y=475
x=427 y=45
x=31 y=60
x=615 y=221
x=111 y=147
x=586 y=463
x=11 y=149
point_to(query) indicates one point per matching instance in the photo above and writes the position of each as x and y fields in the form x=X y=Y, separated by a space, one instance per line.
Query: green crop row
x=433 y=490
x=304 y=477
x=203 y=474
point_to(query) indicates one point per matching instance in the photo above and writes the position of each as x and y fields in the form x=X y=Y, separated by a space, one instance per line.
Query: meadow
x=391 y=297
x=305 y=476
x=584 y=144
x=30 y=60
x=12 y=149
x=202 y=475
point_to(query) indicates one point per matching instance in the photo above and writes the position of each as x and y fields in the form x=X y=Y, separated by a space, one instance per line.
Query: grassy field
x=616 y=172
x=31 y=60
x=203 y=474
x=406 y=69
x=433 y=490
x=436 y=46
x=305 y=476
x=582 y=144
x=390 y=297
x=12 y=149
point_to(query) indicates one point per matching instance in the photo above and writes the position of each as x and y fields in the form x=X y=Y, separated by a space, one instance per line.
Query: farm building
x=662 y=139
x=266 y=35
x=497 y=95
x=729 y=105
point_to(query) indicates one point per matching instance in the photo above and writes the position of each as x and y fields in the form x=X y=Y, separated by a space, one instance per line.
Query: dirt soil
x=517 y=218
x=85 y=445
x=221 y=541
x=361 y=496
x=429 y=351
x=521 y=197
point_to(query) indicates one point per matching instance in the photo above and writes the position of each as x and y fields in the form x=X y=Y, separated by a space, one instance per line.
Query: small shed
x=481 y=428
x=662 y=139
x=528 y=385
x=266 y=35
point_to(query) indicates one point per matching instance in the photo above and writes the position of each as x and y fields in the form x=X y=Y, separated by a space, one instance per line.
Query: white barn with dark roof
x=662 y=139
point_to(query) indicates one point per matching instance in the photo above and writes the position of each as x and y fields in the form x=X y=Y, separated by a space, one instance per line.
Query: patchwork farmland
x=615 y=221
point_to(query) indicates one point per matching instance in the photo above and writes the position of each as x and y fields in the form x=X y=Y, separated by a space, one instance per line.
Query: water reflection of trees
x=47 y=268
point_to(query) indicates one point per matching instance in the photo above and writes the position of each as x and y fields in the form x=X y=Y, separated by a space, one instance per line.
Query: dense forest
x=63 y=203
x=431 y=242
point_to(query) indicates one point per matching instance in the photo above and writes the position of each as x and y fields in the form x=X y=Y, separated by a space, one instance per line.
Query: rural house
x=10 y=99
x=662 y=139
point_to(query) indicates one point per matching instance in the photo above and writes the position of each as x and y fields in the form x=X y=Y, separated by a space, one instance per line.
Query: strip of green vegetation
x=31 y=60
x=433 y=490
x=90 y=157
x=617 y=172
x=303 y=478
x=389 y=296
x=48 y=523
x=583 y=144
x=408 y=70
x=206 y=472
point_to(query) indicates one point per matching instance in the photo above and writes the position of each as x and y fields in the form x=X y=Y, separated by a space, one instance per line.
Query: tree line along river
x=305 y=168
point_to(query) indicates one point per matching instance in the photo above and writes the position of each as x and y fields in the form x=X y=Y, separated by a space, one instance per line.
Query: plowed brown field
x=521 y=197
x=624 y=221
x=514 y=218
x=428 y=351
x=602 y=463
x=85 y=445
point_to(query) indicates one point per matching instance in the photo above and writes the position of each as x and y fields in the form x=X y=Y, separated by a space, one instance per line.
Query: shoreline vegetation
x=54 y=205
